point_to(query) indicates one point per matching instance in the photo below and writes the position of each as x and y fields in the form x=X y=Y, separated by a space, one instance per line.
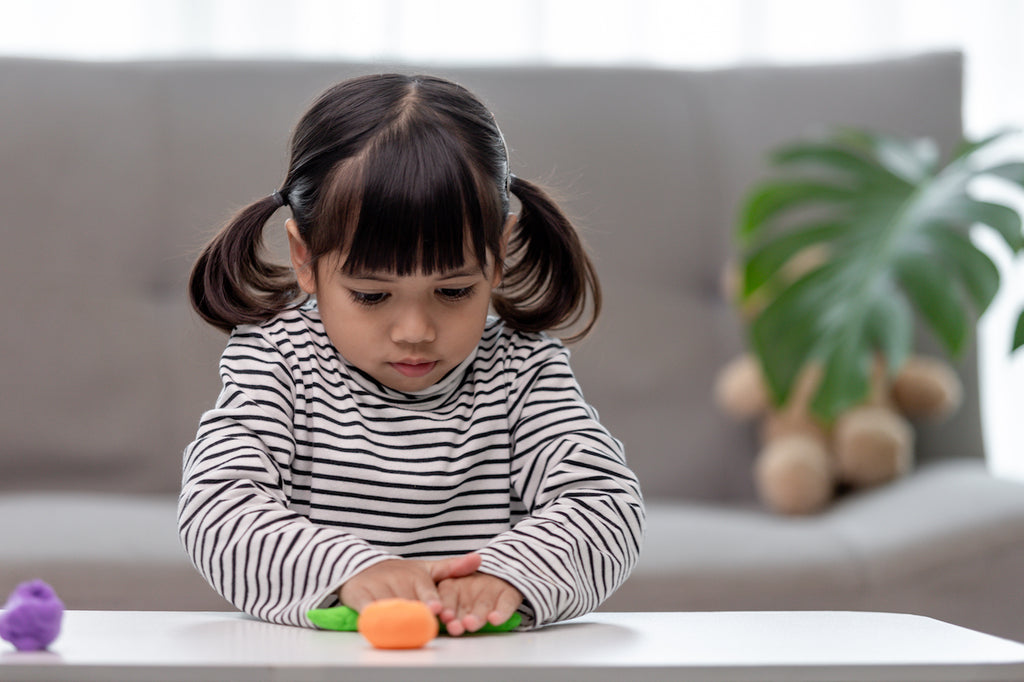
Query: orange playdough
x=398 y=624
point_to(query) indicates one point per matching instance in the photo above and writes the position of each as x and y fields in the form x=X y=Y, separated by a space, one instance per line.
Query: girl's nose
x=413 y=325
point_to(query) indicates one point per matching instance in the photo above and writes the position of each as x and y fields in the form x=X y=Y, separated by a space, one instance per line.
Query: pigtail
x=549 y=279
x=232 y=283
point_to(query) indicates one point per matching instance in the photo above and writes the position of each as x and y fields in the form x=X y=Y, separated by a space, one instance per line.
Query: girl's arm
x=585 y=516
x=233 y=513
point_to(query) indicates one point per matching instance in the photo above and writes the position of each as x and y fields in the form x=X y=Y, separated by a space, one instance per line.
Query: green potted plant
x=890 y=224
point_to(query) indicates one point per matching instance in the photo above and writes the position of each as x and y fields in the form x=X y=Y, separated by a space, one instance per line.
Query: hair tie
x=278 y=198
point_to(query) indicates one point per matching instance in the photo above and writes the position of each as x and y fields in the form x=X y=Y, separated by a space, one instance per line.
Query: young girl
x=378 y=434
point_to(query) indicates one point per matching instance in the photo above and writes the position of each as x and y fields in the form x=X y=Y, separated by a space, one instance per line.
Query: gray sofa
x=115 y=174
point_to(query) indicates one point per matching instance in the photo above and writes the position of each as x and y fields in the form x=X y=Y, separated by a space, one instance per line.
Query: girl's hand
x=469 y=602
x=406 y=579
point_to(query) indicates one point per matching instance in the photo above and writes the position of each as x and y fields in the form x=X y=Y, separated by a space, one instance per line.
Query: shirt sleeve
x=585 y=517
x=233 y=514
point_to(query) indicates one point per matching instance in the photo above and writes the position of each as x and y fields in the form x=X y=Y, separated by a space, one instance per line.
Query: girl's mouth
x=414 y=369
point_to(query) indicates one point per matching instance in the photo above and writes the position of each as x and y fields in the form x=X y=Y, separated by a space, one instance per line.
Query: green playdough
x=346 y=619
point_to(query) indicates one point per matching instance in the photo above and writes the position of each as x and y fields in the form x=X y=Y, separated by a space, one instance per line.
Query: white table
x=821 y=646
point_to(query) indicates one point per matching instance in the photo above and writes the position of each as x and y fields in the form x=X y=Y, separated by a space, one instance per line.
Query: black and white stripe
x=308 y=471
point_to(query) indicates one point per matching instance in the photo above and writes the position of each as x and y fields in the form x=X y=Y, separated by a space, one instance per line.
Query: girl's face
x=406 y=331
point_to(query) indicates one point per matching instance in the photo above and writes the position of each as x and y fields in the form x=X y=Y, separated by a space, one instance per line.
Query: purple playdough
x=31 y=617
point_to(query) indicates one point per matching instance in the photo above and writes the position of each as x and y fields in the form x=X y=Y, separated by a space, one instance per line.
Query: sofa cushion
x=894 y=549
x=101 y=551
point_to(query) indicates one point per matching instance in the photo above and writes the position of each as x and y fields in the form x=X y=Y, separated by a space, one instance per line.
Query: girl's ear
x=506 y=235
x=300 y=258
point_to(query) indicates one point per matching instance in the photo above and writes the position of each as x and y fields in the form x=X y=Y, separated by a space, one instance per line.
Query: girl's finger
x=426 y=592
x=485 y=603
x=454 y=567
x=355 y=597
x=507 y=603
x=465 y=596
x=446 y=591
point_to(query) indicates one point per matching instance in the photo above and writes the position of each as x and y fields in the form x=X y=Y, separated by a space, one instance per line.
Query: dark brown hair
x=401 y=174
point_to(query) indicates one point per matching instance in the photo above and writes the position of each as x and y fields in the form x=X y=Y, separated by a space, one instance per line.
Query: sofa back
x=115 y=174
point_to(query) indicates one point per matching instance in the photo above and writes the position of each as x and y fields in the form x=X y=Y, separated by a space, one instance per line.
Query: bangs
x=410 y=203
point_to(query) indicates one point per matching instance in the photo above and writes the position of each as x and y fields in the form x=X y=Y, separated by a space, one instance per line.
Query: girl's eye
x=455 y=294
x=366 y=299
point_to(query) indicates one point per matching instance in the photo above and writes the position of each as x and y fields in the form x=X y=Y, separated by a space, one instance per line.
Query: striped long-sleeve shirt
x=307 y=471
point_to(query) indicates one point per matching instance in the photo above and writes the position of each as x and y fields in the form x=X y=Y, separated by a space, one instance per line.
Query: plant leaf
x=895 y=241
x=969 y=147
x=1003 y=219
x=845 y=379
x=977 y=272
x=1018 y=334
x=839 y=157
x=1014 y=172
x=912 y=160
x=785 y=333
x=889 y=328
x=935 y=297
x=773 y=198
x=766 y=260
